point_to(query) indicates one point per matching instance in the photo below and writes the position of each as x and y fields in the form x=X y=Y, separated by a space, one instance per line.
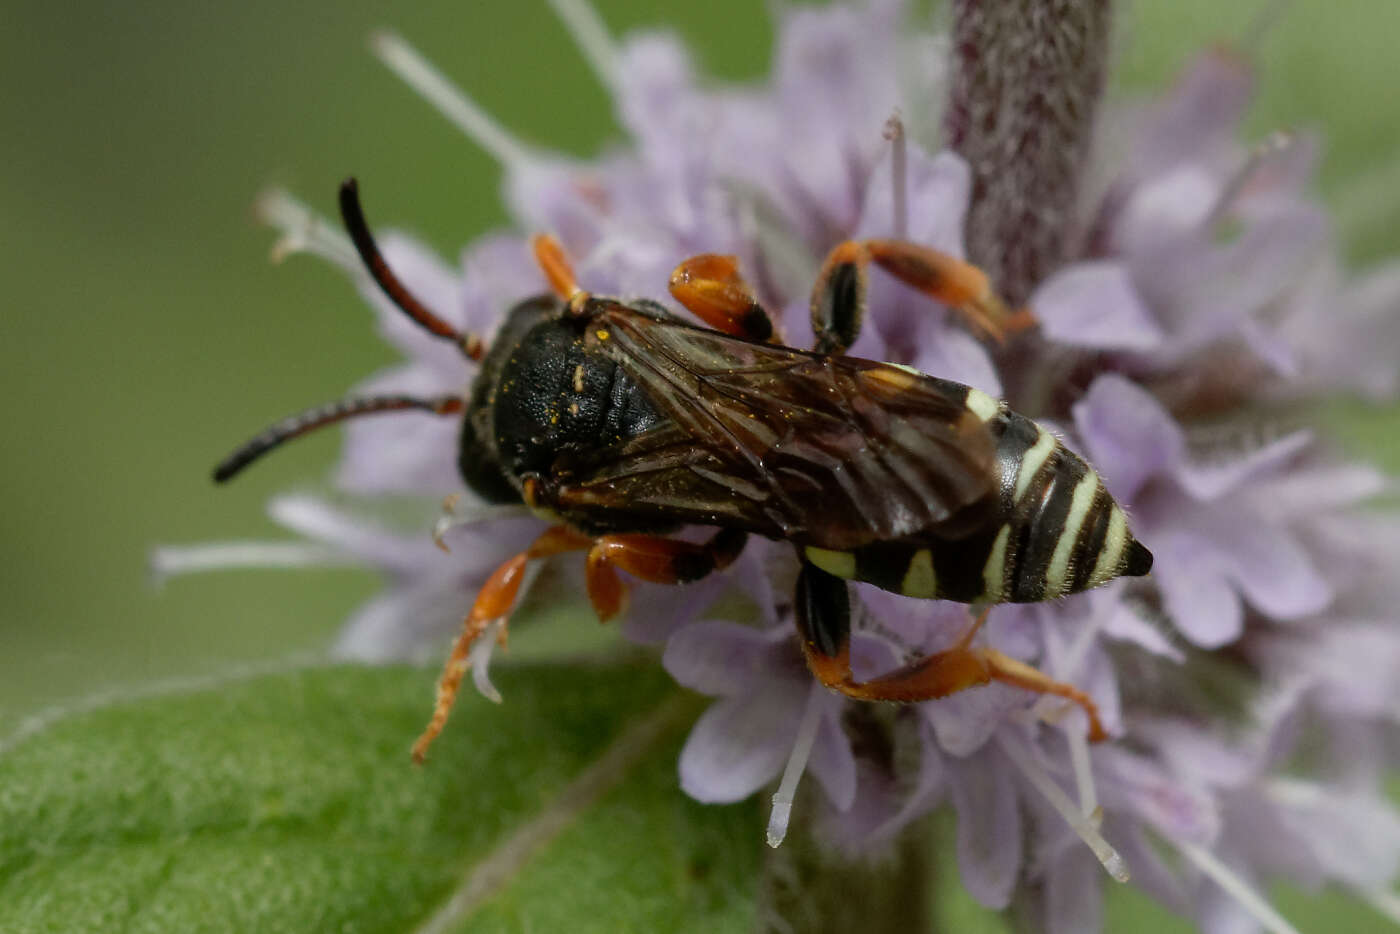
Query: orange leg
x=555 y=265
x=711 y=287
x=655 y=559
x=824 y=624
x=493 y=602
x=838 y=299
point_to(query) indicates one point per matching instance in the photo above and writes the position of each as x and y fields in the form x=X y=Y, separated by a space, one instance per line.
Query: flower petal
x=1198 y=597
x=741 y=743
x=833 y=763
x=402 y=452
x=721 y=658
x=1094 y=304
x=1074 y=894
x=1128 y=435
x=989 y=825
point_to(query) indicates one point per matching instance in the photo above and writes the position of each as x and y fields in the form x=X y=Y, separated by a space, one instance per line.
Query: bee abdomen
x=1056 y=531
x=1068 y=534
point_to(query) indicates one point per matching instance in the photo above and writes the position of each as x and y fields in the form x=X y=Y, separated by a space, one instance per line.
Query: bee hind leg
x=655 y=559
x=824 y=622
x=838 y=298
x=710 y=286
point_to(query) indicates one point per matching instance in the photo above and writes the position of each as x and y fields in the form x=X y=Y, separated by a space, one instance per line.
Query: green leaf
x=288 y=803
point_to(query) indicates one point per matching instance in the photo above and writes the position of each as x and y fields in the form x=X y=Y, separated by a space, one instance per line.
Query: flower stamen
x=1260 y=154
x=899 y=173
x=1223 y=876
x=1083 y=827
x=796 y=765
x=304 y=231
x=591 y=35
x=169 y=561
x=460 y=110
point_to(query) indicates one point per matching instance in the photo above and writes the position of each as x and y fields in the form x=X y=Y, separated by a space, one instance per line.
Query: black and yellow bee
x=621 y=423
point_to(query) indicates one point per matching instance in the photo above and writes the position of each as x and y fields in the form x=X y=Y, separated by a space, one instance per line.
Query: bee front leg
x=711 y=287
x=824 y=624
x=838 y=299
x=494 y=601
x=655 y=559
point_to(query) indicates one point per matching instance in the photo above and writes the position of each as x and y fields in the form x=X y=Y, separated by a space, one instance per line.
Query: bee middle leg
x=655 y=559
x=822 y=607
x=838 y=298
x=712 y=288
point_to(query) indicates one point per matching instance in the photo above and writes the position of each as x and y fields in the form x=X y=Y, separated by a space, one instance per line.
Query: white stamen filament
x=1250 y=900
x=796 y=765
x=170 y=561
x=454 y=518
x=463 y=112
x=479 y=658
x=894 y=132
x=1385 y=902
x=304 y=231
x=1083 y=775
x=1052 y=710
x=1266 y=149
x=1112 y=862
x=590 y=34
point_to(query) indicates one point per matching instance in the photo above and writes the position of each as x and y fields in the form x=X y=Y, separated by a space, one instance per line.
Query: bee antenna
x=303 y=422
x=358 y=228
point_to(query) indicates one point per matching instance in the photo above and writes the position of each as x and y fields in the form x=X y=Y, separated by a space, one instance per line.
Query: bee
x=621 y=422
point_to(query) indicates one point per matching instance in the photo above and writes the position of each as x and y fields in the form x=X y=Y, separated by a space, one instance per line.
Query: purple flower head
x=1201 y=286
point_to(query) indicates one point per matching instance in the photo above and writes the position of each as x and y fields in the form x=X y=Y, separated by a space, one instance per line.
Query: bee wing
x=829 y=451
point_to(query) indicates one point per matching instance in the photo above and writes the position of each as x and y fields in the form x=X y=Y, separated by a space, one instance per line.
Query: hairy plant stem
x=808 y=888
x=1026 y=79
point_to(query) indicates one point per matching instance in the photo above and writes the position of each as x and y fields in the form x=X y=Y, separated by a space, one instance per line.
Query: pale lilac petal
x=1268 y=566
x=1352 y=837
x=963 y=722
x=498 y=272
x=1175 y=806
x=1204 y=107
x=408 y=452
x=1352 y=664
x=1315 y=490
x=1125 y=623
x=356 y=534
x=1094 y=304
x=1198 y=597
x=1150 y=871
x=656 y=85
x=414 y=623
x=435 y=284
x=558 y=196
x=1128 y=435
x=1209 y=480
x=1074 y=894
x=1168 y=206
x=989 y=825
x=833 y=763
x=936 y=192
x=720 y=658
x=656 y=611
x=741 y=743
x=950 y=352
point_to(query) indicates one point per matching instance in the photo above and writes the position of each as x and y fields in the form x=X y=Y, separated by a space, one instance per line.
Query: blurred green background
x=145 y=330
